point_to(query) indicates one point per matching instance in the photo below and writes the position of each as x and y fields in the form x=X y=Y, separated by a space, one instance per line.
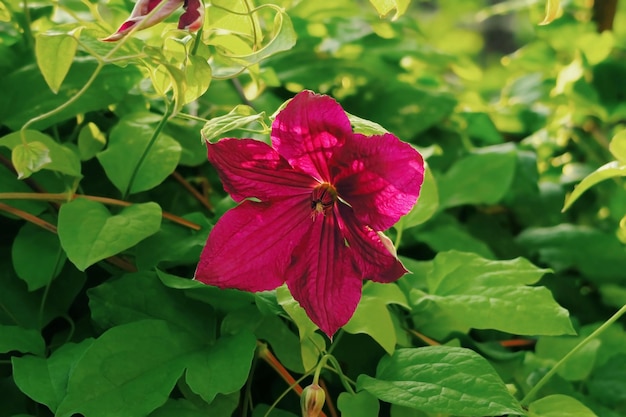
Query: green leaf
x=26 y=94
x=45 y=379
x=552 y=10
x=39 y=269
x=372 y=315
x=198 y=78
x=90 y=141
x=132 y=161
x=384 y=7
x=483 y=177
x=28 y=158
x=577 y=367
x=365 y=127
x=173 y=244
x=311 y=344
x=224 y=367
x=19 y=339
x=618 y=146
x=130 y=368
x=606 y=171
x=559 y=406
x=283 y=38
x=597 y=255
x=361 y=404
x=466 y=291
x=33 y=156
x=89 y=233
x=239 y=117
x=426 y=206
x=142 y=295
x=55 y=52
x=441 y=379
x=608 y=382
x=223 y=405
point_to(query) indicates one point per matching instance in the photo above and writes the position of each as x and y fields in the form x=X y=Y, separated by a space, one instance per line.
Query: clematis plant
x=312 y=209
x=147 y=13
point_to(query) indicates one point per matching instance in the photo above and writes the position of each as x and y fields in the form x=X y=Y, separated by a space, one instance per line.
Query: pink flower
x=311 y=209
x=191 y=19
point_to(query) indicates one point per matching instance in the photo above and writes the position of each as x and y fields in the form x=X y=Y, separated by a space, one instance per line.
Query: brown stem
x=424 y=338
x=604 y=14
x=201 y=199
x=329 y=400
x=103 y=200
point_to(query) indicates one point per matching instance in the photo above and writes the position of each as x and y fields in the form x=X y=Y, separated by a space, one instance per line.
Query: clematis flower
x=143 y=15
x=312 y=209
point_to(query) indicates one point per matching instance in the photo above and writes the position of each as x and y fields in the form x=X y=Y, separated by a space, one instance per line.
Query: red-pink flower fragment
x=144 y=15
x=312 y=207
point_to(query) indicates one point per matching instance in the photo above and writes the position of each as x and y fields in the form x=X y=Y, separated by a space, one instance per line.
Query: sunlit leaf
x=553 y=8
x=606 y=171
x=441 y=379
x=55 y=53
x=559 y=406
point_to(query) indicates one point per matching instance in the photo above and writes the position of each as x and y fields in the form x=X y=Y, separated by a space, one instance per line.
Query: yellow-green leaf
x=553 y=7
x=55 y=53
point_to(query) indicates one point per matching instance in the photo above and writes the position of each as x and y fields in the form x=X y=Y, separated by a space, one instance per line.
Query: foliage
x=517 y=275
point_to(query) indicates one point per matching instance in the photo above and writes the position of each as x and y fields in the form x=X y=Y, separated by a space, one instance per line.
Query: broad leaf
x=372 y=315
x=441 y=379
x=483 y=177
x=45 y=379
x=606 y=171
x=140 y=360
x=559 y=406
x=239 y=117
x=384 y=7
x=361 y=404
x=224 y=367
x=50 y=257
x=55 y=53
x=19 y=339
x=618 y=146
x=89 y=233
x=134 y=161
x=426 y=205
x=466 y=291
x=28 y=158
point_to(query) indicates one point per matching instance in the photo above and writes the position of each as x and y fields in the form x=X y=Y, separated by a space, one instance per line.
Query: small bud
x=312 y=400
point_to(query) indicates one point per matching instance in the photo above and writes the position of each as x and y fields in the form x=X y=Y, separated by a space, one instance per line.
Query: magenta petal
x=249 y=168
x=250 y=246
x=379 y=176
x=308 y=130
x=370 y=254
x=193 y=18
x=322 y=277
x=142 y=15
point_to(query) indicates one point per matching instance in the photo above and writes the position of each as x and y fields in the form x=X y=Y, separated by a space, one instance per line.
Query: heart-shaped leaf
x=89 y=233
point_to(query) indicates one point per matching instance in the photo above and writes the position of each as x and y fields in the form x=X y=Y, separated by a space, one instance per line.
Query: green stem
x=398 y=237
x=531 y=394
x=157 y=131
x=344 y=380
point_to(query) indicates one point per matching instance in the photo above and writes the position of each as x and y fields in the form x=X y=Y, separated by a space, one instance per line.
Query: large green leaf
x=466 y=291
x=132 y=161
x=426 y=206
x=19 y=339
x=361 y=404
x=26 y=94
x=608 y=382
x=140 y=296
x=578 y=366
x=89 y=233
x=45 y=379
x=483 y=177
x=372 y=315
x=224 y=367
x=598 y=256
x=129 y=370
x=50 y=256
x=441 y=379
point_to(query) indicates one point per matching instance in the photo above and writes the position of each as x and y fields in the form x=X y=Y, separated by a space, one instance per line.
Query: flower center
x=323 y=198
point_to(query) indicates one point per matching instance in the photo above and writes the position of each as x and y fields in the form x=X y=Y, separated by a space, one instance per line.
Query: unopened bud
x=312 y=400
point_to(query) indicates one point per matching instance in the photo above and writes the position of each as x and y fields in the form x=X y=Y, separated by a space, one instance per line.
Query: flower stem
x=531 y=394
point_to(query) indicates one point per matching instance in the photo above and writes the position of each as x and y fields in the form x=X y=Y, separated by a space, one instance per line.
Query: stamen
x=323 y=198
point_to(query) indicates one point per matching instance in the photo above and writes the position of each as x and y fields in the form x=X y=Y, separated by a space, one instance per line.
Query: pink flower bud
x=312 y=400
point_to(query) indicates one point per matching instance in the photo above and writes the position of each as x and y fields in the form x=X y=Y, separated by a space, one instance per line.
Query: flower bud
x=312 y=400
